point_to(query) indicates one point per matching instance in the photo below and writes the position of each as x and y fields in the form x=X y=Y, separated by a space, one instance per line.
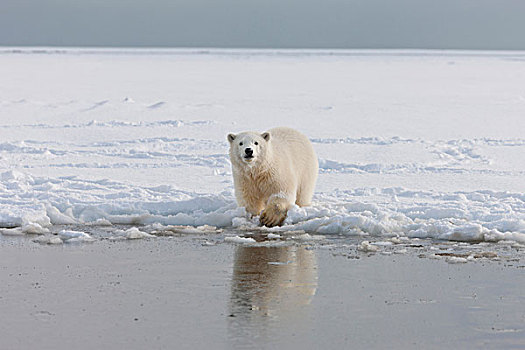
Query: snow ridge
x=461 y=216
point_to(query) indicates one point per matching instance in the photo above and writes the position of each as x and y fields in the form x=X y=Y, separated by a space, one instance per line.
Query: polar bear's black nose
x=249 y=152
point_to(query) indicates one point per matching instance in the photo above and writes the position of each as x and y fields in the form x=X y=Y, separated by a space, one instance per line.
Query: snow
x=409 y=145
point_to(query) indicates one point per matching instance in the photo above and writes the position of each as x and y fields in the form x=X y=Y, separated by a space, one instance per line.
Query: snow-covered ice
x=415 y=144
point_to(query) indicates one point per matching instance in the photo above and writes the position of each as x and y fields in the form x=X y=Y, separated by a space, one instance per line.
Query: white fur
x=283 y=171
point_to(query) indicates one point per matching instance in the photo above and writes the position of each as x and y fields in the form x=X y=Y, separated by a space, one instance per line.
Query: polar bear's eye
x=240 y=144
x=256 y=143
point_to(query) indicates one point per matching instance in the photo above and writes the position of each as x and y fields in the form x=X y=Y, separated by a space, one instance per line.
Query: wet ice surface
x=202 y=290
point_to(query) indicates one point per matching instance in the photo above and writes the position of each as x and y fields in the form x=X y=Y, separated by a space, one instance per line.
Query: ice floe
x=395 y=164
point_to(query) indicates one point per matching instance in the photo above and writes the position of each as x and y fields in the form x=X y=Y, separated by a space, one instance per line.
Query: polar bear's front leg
x=276 y=210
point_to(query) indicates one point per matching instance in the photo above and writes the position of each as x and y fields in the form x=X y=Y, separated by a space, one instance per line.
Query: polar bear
x=272 y=171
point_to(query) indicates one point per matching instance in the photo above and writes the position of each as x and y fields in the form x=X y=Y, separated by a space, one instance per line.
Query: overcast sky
x=453 y=24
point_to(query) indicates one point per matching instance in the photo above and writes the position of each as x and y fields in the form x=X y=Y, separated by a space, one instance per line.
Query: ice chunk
x=74 y=236
x=12 y=231
x=58 y=218
x=456 y=260
x=48 y=240
x=366 y=247
x=238 y=239
x=133 y=233
x=101 y=222
x=34 y=228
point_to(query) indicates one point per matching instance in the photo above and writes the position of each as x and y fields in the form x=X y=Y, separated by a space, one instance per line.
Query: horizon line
x=37 y=49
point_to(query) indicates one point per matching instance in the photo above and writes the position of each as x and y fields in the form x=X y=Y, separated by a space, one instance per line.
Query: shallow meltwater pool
x=141 y=286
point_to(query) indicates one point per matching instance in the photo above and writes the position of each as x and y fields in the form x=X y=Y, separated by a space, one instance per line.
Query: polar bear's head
x=248 y=148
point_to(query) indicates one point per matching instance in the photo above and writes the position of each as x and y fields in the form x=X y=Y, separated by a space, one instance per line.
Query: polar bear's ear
x=231 y=137
x=266 y=136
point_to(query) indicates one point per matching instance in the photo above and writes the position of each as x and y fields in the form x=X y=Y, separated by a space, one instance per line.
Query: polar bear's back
x=295 y=152
x=288 y=139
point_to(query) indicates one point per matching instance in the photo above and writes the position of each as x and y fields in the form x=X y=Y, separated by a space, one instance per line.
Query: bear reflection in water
x=271 y=282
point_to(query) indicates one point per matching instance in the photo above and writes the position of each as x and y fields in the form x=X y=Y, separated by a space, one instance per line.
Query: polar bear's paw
x=273 y=215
